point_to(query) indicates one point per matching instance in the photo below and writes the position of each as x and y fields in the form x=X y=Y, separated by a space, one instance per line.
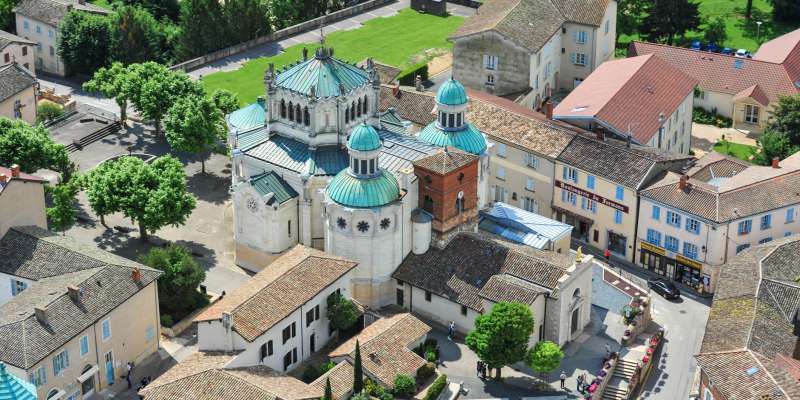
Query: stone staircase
x=617 y=388
x=93 y=137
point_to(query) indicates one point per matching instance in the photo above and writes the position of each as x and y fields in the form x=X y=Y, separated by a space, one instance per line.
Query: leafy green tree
x=785 y=10
x=84 y=41
x=786 y=118
x=715 y=30
x=47 y=111
x=501 y=337
x=773 y=145
x=136 y=36
x=194 y=125
x=158 y=8
x=358 y=371
x=667 y=19
x=151 y=195
x=749 y=9
x=405 y=385
x=249 y=17
x=328 y=391
x=7 y=14
x=32 y=148
x=203 y=28
x=545 y=357
x=62 y=213
x=177 y=286
x=342 y=313
x=113 y=82
x=284 y=13
x=154 y=89
x=226 y=101
x=629 y=15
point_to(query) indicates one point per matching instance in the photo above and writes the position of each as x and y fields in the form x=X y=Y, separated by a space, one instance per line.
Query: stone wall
x=513 y=65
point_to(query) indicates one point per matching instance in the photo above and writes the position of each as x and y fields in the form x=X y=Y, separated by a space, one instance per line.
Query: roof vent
x=41 y=314
x=15 y=169
x=579 y=108
x=751 y=371
x=738 y=64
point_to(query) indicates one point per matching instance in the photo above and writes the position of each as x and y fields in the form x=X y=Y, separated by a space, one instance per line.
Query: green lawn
x=740 y=151
x=399 y=40
x=101 y=3
x=741 y=32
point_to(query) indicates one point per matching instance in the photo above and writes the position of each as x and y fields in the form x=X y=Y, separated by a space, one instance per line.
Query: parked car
x=712 y=47
x=743 y=53
x=696 y=45
x=727 y=51
x=665 y=288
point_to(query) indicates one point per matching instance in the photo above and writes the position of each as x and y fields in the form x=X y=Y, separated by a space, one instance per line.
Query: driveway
x=705 y=136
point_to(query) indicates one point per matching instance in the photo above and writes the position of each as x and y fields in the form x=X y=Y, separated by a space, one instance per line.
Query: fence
x=309 y=25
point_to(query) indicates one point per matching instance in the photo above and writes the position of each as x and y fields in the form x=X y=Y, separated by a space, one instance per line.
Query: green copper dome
x=468 y=138
x=364 y=138
x=249 y=117
x=13 y=388
x=351 y=191
x=452 y=93
x=328 y=75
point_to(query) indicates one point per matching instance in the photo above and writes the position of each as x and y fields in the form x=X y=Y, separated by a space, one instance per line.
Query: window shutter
x=572 y=58
x=575 y=37
x=485 y=60
x=564 y=170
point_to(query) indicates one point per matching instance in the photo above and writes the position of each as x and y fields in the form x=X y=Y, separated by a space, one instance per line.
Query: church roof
x=364 y=138
x=248 y=117
x=352 y=191
x=13 y=388
x=468 y=139
x=452 y=93
x=270 y=182
x=326 y=74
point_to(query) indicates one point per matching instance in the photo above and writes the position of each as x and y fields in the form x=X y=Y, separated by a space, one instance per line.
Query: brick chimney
x=41 y=314
x=3 y=179
x=548 y=109
x=136 y=275
x=15 y=171
x=776 y=162
x=683 y=182
x=74 y=292
x=396 y=89
x=418 y=83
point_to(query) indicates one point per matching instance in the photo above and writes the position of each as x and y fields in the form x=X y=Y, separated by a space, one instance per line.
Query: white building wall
x=22 y=53
x=5 y=286
x=677 y=134
x=45 y=52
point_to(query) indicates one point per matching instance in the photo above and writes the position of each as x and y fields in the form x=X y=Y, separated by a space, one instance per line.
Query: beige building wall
x=606 y=35
x=544 y=66
x=513 y=181
x=513 y=64
x=27 y=99
x=45 y=52
x=677 y=135
x=573 y=66
x=21 y=53
x=128 y=342
x=23 y=204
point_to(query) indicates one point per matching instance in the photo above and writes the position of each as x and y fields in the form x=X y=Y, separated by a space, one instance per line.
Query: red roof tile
x=630 y=92
x=778 y=50
x=753 y=92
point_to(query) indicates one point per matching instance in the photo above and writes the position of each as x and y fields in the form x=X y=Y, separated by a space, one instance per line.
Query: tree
x=749 y=9
x=194 y=125
x=84 y=41
x=773 y=145
x=283 y=13
x=7 y=14
x=160 y=9
x=62 y=214
x=328 y=391
x=226 y=101
x=669 y=18
x=48 y=111
x=151 y=195
x=501 y=337
x=545 y=357
x=250 y=17
x=405 y=385
x=785 y=10
x=342 y=313
x=715 y=30
x=358 y=372
x=629 y=15
x=32 y=148
x=154 y=89
x=203 y=28
x=786 y=118
x=112 y=82
x=137 y=37
x=177 y=286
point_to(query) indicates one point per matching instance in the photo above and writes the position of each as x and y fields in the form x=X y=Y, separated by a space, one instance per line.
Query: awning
x=88 y=374
x=58 y=395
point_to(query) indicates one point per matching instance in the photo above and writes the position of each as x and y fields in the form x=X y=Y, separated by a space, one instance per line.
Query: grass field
x=101 y=3
x=740 y=151
x=741 y=32
x=399 y=40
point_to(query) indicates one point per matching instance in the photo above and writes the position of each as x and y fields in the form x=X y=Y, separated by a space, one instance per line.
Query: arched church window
x=341 y=223
x=451 y=119
x=353 y=110
x=460 y=177
x=362 y=226
x=364 y=104
x=359 y=108
x=298 y=114
x=459 y=205
x=385 y=223
x=347 y=115
x=283 y=108
x=306 y=116
x=291 y=111
x=428 y=179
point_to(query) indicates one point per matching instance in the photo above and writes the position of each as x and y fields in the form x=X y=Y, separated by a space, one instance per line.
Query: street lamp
x=758 y=31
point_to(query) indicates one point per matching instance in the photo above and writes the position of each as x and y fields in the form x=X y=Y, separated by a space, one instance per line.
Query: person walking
x=607 y=255
x=128 y=375
x=479 y=368
x=579 y=385
x=484 y=370
x=563 y=378
x=451 y=330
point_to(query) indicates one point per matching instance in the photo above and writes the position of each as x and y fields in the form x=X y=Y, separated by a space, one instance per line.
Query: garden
x=394 y=40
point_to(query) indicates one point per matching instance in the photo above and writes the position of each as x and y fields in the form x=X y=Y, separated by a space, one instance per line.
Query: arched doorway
x=537 y=104
x=87 y=380
x=576 y=313
x=55 y=394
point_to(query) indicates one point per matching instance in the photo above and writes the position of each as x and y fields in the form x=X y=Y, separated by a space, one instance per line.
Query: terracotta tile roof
x=514 y=19
x=509 y=288
x=444 y=162
x=753 y=92
x=274 y=293
x=469 y=261
x=716 y=165
x=750 y=324
x=779 y=49
x=203 y=376
x=385 y=347
x=723 y=74
x=499 y=118
x=628 y=95
x=23 y=177
x=341 y=377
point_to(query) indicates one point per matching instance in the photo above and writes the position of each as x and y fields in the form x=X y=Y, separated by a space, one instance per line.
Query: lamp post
x=758 y=31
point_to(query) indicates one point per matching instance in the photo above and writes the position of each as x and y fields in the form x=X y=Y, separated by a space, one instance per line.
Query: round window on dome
x=341 y=223
x=362 y=226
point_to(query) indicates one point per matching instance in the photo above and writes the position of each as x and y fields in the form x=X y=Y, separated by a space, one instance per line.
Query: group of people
x=483 y=369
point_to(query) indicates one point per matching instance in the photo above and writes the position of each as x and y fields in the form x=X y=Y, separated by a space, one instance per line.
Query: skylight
x=751 y=371
x=579 y=108
x=738 y=64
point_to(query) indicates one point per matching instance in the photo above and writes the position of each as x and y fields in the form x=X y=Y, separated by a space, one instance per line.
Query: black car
x=665 y=288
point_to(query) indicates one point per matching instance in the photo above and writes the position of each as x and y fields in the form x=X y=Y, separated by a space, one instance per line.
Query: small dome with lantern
x=451 y=127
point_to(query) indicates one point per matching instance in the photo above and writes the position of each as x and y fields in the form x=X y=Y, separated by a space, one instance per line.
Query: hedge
x=408 y=76
x=436 y=388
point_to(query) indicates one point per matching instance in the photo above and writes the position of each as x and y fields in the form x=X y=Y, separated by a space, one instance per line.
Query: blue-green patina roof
x=452 y=93
x=468 y=139
x=364 y=138
x=325 y=73
x=270 y=182
x=351 y=191
x=13 y=388
x=248 y=117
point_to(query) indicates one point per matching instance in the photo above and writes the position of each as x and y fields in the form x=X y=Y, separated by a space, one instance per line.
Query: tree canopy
x=785 y=10
x=113 y=82
x=177 y=286
x=62 y=213
x=714 y=31
x=194 y=125
x=667 y=19
x=786 y=118
x=773 y=145
x=32 y=148
x=84 y=40
x=226 y=101
x=155 y=89
x=501 y=337
x=342 y=313
x=544 y=357
x=358 y=371
x=138 y=37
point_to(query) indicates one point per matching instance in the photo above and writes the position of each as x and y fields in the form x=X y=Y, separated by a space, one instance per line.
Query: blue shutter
x=564 y=173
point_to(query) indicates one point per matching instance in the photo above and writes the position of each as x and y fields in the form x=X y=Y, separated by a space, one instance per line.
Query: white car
x=742 y=53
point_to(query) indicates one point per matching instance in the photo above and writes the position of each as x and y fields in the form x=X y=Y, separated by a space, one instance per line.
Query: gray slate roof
x=470 y=261
x=55 y=262
x=7 y=38
x=14 y=79
x=52 y=12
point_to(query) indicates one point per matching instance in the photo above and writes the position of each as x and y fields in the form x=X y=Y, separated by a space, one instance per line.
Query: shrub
x=325 y=367
x=342 y=313
x=310 y=374
x=48 y=111
x=166 y=320
x=408 y=76
x=430 y=356
x=426 y=371
x=405 y=385
x=177 y=287
x=701 y=116
x=372 y=388
x=436 y=388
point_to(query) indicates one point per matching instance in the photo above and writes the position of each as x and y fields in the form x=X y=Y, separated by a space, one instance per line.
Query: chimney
x=396 y=89
x=601 y=134
x=628 y=141
x=776 y=162
x=418 y=83
x=136 y=275
x=548 y=109
x=41 y=314
x=15 y=171
x=683 y=182
x=305 y=53
x=74 y=292
x=3 y=179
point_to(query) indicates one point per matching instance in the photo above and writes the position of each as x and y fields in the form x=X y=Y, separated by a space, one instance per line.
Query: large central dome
x=326 y=74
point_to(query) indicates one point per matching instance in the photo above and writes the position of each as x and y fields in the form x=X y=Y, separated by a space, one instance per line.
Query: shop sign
x=591 y=196
x=653 y=248
x=689 y=262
